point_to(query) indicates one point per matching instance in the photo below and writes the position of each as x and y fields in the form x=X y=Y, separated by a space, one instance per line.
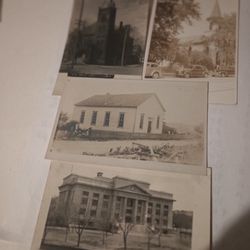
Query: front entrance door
x=149 y=126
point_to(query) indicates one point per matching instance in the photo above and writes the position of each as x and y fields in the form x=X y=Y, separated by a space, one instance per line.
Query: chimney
x=99 y=174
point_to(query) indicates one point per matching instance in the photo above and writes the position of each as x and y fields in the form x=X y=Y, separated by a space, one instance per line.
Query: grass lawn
x=93 y=240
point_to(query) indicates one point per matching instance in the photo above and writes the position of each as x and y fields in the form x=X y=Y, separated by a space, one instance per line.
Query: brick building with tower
x=102 y=43
x=116 y=199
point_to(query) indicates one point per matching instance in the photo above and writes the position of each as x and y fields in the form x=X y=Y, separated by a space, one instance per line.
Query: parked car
x=225 y=71
x=193 y=71
x=153 y=70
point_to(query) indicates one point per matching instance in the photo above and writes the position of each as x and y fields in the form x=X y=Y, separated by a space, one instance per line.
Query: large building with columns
x=116 y=199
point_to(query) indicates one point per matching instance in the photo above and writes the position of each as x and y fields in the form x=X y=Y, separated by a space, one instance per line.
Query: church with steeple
x=215 y=15
x=205 y=43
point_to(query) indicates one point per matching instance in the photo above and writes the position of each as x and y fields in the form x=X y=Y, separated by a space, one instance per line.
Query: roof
x=216 y=10
x=122 y=100
x=105 y=182
x=160 y=194
x=129 y=179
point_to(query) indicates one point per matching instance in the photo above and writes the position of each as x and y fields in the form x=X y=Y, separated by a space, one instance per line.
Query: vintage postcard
x=132 y=123
x=100 y=207
x=106 y=38
x=196 y=39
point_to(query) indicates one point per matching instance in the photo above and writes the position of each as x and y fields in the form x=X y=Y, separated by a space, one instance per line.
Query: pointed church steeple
x=216 y=12
x=215 y=16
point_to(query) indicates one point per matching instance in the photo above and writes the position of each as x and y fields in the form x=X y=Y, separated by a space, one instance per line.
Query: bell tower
x=105 y=26
x=107 y=14
x=214 y=16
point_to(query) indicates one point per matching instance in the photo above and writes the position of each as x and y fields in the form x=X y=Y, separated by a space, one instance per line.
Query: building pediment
x=133 y=189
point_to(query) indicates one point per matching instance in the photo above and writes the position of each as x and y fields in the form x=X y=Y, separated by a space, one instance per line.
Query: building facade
x=116 y=199
x=102 y=43
x=131 y=113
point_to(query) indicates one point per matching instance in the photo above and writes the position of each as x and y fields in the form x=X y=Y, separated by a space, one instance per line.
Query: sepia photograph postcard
x=196 y=39
x=99 y=207
x=106 y=38
x=146 y=124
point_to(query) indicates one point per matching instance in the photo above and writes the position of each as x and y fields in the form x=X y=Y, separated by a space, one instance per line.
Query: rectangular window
x=138 y=219
x=139 y=209
x=129 y=203
x=141 y=121
x=150 y=210
x=158 y=212
x=128 y=211
x=121 y=120
x=84 y=201
x=93 y=213
x=105 y=204
x=93 y=118
x=158 y=122
x=165 y=212
x=96 y=195
x=82 y=210
x=94 y=202
x=82 y=117
x=85 y=193
x=106 y=119
x=106 y=197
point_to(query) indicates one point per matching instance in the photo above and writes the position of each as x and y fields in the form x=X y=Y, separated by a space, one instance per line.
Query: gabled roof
x=129 y=179
x=122 y=100
x=133 y=185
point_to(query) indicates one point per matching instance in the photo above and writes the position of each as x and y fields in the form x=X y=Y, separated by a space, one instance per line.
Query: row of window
x=106 y=118
x=120 y=120
x=95 y=195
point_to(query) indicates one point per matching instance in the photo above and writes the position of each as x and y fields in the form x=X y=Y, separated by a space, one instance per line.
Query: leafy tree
x=74 y=47
x=170 y=16
x=182 y=57
x=224 y=37
x=63 y=119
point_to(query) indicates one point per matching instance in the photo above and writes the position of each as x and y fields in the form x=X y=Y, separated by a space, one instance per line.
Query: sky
x=184 y=104
x=189 y=191
x=206 y=6
x=133 y=12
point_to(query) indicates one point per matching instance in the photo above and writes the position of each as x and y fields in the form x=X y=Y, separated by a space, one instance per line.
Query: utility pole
x=124 y=44
x=78 y=29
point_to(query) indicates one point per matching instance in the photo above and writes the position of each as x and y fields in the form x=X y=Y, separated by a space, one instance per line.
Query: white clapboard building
x=131 y=113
